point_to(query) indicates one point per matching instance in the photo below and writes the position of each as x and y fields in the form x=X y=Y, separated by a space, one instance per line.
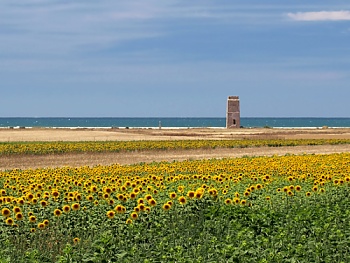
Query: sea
x=174 y=122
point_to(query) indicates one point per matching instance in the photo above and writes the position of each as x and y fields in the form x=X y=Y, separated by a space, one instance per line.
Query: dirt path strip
x=92 y=159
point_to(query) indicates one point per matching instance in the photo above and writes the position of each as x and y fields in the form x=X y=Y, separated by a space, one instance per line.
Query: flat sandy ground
x=91 y=159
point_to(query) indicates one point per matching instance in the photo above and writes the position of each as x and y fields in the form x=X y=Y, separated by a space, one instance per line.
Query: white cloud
x=320 y=16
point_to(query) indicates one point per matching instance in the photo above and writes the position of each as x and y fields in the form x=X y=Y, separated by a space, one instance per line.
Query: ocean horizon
x=171 y=122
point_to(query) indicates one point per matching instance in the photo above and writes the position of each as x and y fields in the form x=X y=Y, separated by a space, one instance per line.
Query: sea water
x=176 y=122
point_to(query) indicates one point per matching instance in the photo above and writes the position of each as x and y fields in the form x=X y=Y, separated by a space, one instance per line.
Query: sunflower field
x=8 y=148
x=253 y=209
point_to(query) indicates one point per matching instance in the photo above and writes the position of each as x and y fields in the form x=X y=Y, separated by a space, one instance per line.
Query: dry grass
x=11 y=135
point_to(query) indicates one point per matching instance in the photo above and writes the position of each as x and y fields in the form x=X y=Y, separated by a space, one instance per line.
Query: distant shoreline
x=172 y=123
x=164 y=128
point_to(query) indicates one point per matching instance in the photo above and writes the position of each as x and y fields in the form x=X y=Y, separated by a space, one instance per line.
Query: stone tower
x=233 y=115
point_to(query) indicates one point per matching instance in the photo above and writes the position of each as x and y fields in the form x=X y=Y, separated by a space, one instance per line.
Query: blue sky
x=174 y=58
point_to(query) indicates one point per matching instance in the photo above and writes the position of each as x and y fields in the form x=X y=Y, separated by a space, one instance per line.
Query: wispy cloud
x=320 y=16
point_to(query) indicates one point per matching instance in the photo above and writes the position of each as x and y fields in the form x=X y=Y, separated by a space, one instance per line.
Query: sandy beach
x=91 y=159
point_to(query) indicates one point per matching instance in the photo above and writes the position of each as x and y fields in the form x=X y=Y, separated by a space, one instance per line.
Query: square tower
x=233 y=115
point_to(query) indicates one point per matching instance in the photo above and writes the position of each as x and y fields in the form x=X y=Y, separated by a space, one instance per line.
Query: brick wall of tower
x=233 y=115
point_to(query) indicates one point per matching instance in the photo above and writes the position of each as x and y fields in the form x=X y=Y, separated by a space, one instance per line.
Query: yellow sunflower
x=134 y=215
x=66 y=208
x=182 y=200
x=57 y=212
x=110 y=214
x=6 y=212
x=19 y=216
x=9 y=221
x=166 y=207
x=76 y=206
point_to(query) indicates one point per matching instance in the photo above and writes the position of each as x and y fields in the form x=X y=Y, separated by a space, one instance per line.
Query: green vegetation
x=261 y=209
